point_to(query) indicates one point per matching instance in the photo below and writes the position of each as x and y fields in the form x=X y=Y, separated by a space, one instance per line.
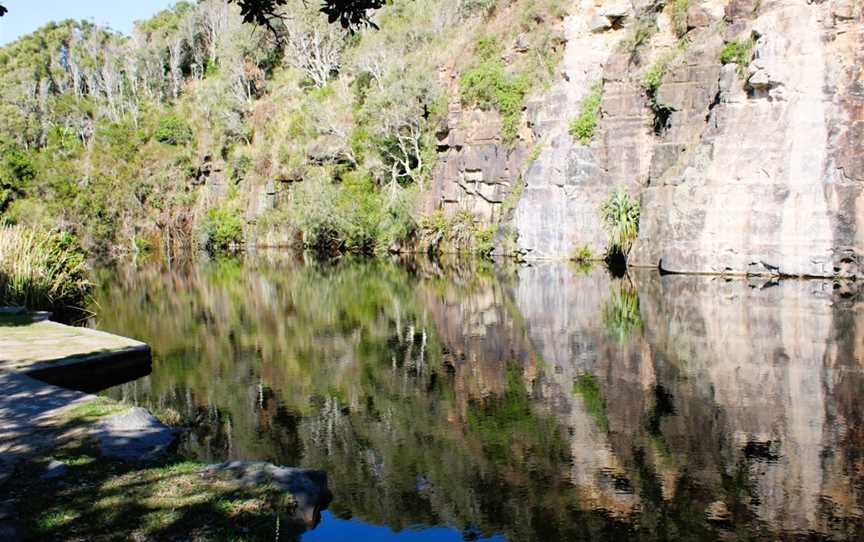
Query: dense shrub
x=223 y=228
x=173 y=131
x=620 y=216
x=353 y=215
x=460 y=232
x=41 y=270
x=16 y=173
x=584 y=126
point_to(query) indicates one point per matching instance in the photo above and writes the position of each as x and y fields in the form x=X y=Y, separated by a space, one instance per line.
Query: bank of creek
x=472 y=401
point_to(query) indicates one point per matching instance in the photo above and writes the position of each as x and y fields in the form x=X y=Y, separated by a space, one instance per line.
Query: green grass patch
x=582 y=254
x=95 y=409
x=103 y=500
x=584 y=126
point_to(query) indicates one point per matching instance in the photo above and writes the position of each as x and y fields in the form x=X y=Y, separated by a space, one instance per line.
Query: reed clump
x=42 y=270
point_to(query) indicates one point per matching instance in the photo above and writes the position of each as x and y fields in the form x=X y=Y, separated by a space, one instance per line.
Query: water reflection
x=527 y=403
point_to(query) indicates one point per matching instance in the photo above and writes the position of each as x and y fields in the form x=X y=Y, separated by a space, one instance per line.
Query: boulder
x=308 y=487
x=133 y=435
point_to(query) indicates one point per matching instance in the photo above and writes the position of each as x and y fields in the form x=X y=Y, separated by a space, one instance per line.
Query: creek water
x=473 y=401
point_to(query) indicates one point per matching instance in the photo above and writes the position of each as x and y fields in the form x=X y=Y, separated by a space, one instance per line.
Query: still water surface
x=518 y=403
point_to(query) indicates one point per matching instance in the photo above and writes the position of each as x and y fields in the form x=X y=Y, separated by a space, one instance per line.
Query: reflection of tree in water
x=346 y=367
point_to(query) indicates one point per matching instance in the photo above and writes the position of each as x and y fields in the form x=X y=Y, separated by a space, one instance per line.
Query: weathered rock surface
x=567 y=182
x=765 y=190
x=475 y=170
x=133 y=435
x=757 y=168
x=308 y=487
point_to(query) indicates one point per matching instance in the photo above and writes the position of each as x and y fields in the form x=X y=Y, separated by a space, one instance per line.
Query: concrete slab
x=30 y=344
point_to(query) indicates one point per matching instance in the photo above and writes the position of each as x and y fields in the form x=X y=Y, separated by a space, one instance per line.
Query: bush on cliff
x=41 y=270
x=620 y=216
x=737 y=52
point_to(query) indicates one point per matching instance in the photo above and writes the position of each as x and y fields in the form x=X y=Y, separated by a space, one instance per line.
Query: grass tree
x=620 y=216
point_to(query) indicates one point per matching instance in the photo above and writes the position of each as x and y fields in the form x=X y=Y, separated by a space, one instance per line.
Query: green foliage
x=511 y=200
x=738 y=52
x=487 y=85
x=582 y=254
x=653 y=78
x=587 y=386
x=679 y=16
x=173 y=131
x=534 y=154
x=16 y=174
x=621 y=315
x=353 y=215
x=223 y=228
x=483 y=241
x=584 y=126
x=620 y=216
x=41 y=270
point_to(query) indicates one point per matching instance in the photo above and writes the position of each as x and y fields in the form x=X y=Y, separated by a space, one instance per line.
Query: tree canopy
x=349 y=13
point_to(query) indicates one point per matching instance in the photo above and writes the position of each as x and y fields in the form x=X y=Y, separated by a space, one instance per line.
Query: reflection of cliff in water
x=541 y=402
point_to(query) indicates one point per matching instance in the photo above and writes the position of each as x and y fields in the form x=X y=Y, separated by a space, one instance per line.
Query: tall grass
x=41 y=270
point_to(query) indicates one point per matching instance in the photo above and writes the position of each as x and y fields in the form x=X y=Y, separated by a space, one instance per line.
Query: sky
x=27 y=15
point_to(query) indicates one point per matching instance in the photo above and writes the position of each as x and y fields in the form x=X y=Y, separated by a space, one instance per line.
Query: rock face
x=475 y=170
x=567 y=182
x=766 y=190
x=752 y=168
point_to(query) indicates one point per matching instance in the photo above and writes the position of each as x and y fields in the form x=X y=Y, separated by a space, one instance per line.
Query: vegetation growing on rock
x=620 y=215
x=737 y=52
x=488 y=85
x=584 y=126
x=679 y=16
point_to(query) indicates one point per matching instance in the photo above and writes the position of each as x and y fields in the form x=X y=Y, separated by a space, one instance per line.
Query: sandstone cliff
x=749 y=164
